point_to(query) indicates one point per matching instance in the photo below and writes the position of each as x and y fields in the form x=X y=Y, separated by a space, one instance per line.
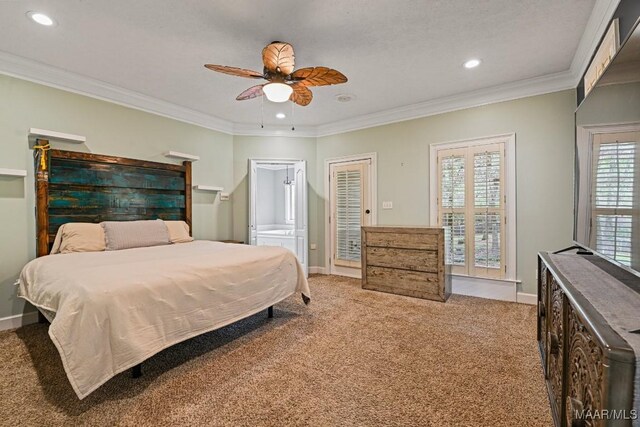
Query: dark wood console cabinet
x=587 y=365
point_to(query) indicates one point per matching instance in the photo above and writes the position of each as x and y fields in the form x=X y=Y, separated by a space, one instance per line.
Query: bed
x=111 y=310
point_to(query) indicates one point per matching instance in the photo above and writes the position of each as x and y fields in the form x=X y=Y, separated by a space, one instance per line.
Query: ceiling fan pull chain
x=262 y=112
x=293 y=127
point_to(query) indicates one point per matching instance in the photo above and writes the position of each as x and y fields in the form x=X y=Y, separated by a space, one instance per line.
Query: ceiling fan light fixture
x=277 y=92
x=281 y=116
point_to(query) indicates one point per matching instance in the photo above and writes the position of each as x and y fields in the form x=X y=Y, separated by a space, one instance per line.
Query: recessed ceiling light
x=281 y=115
x=41 y=18
x=472 y=63
x=345 y=97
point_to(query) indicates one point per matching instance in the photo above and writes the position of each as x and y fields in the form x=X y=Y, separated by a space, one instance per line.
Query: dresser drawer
x=402 y=240
x=411 y=259
x=405 y=282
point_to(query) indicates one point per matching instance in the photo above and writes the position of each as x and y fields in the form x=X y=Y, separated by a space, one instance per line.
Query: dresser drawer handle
x=541 y=310
x=554 y=345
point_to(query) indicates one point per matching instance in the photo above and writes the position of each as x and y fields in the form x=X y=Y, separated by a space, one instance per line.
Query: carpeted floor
x=352 y=357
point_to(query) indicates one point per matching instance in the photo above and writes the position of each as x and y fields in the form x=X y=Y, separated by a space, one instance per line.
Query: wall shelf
x=207 y=188
x=13 y=172
x=181 y=156
x=35 y=133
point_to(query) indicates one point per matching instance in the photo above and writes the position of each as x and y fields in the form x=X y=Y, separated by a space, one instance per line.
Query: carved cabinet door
x=585 y=376
x=554 y=344
x=542 y=312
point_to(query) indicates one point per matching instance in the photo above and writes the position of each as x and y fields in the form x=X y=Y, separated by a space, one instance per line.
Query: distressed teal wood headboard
x=85 y=187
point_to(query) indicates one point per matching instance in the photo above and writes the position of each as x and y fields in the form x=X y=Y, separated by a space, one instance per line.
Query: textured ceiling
x=394 y=52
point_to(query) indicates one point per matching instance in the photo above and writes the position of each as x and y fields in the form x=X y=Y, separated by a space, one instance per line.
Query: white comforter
x=115 y=309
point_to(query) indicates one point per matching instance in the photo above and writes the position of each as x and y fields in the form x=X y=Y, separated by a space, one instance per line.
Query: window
x=290 y=203
x=471 y=203
x=613 y=204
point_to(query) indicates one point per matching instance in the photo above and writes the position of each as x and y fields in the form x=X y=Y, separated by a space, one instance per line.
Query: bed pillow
x=134 y=234
x=178 y=231
x=79 y=237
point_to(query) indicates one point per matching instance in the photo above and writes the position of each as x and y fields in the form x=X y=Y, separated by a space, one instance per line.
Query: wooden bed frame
x=85 y=187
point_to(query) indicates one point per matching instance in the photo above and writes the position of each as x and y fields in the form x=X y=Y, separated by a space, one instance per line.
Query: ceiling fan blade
x=278 y=57
x=235 y=71
x=301 y=95
x=252 y=92
x=318 y=76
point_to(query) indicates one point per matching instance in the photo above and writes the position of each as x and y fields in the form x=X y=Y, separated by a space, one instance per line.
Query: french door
x=471 y=207
x=350 y=200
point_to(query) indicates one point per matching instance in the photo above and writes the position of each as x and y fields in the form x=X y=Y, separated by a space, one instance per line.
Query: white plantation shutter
x=452 y=164
x=616 y=175
x=471 y=207
x=488 y=209
x=348 y=214
x=455 y=235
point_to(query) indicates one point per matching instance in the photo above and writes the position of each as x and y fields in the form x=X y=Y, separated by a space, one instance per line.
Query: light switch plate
x=312 y=246
x=224 y=197
x=387 y=205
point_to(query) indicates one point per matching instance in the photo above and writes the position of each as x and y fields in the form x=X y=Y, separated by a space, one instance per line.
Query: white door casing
x=301 y=223
x=366 y=164
x=301 y=216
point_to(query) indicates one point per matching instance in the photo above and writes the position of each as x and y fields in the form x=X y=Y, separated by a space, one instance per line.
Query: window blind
x=452 y=196
x=487 y=203
x=348 y=214
x=614 y=199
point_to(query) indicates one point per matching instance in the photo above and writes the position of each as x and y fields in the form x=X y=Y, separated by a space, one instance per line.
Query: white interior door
x=351 y=208
x=301 y=215
x=299 y=245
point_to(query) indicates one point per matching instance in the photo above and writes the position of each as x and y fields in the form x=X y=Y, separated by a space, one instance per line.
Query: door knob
x=367 y=211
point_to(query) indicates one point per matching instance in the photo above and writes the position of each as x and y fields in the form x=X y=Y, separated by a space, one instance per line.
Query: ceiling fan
x=284 y=83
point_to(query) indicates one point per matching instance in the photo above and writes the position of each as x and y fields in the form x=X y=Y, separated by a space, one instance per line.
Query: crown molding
x=37 y=72
x=507 y=92
x=597 y=24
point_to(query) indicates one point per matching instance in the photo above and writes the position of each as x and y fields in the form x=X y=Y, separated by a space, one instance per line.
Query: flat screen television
x=607 y=161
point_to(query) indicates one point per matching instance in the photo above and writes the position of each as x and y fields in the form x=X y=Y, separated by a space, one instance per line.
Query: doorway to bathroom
x=278 y=213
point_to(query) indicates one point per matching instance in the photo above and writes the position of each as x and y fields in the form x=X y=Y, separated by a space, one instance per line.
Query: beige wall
x=110 y=129
x=544 y=135
x=544 y=166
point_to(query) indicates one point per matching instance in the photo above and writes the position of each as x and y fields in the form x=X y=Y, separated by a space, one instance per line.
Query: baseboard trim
x=18 y=320
x=524 y=298
x=317 y=270
x=484 y=288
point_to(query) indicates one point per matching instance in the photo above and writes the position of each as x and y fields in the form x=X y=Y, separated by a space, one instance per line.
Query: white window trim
x=509 y=141
x=373 y=173
x=584 y=142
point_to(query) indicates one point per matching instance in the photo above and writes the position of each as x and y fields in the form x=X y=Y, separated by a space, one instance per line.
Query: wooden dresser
x=406 y=261
x=589 y=368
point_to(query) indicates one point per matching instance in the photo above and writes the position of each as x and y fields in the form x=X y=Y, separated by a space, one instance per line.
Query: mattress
x=115 y=309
